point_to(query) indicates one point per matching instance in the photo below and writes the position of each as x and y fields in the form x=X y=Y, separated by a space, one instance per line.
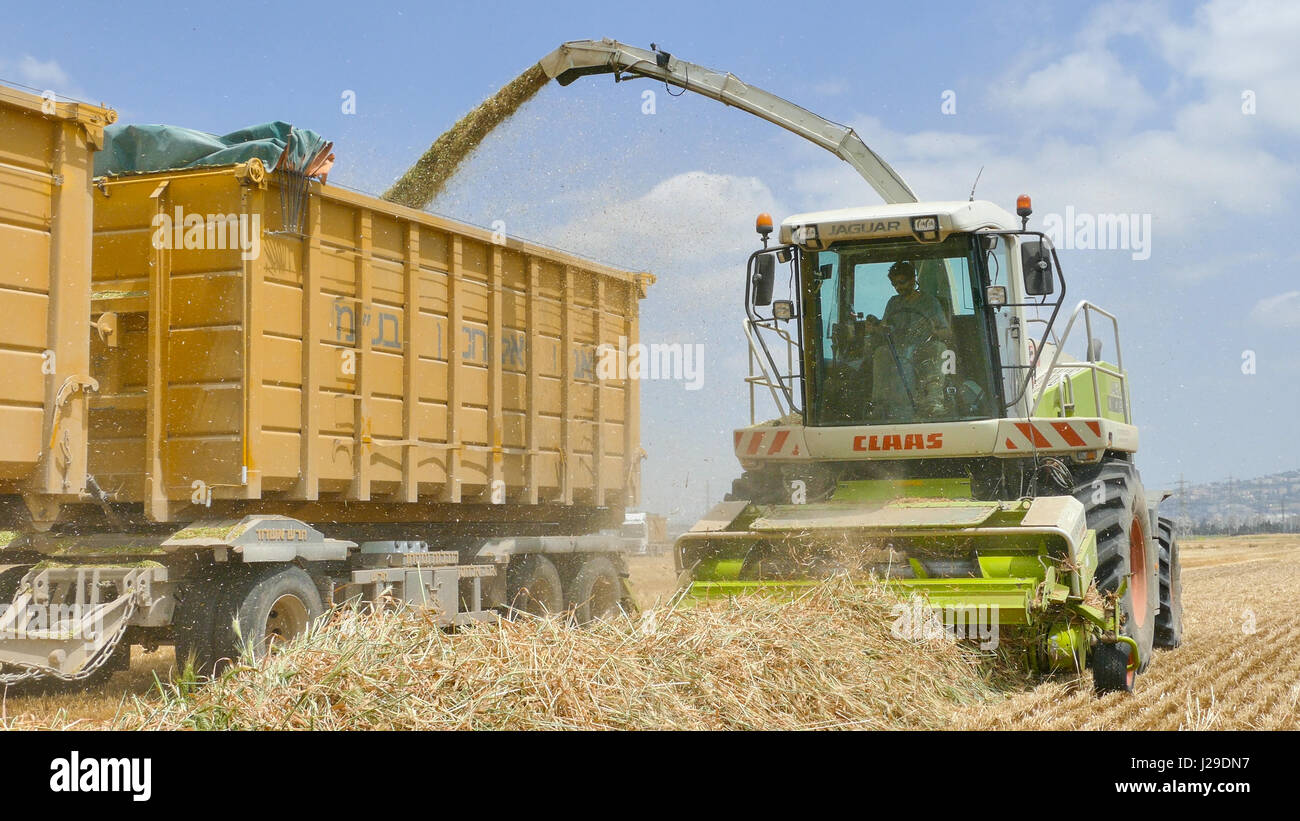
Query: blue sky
x=1133 y=108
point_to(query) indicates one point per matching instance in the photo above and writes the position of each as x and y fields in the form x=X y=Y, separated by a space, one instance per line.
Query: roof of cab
x=956 y=216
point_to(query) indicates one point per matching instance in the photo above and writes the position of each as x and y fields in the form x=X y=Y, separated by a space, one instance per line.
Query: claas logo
x=898 y=441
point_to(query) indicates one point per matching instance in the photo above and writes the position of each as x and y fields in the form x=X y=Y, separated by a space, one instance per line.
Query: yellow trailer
x=46 y=151
x=318 y=353
x=266 y=396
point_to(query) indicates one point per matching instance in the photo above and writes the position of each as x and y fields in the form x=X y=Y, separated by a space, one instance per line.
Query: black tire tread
x=1110 y=519
x=1169 y=622
x=520 y=576
x=579 y=591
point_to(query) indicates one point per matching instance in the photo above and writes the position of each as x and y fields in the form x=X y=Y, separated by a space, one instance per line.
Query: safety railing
x=1086 y=309
x=768 y=374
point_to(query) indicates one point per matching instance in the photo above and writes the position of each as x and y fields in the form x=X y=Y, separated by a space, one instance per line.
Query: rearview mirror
x=764 y=278
x=1036 y=261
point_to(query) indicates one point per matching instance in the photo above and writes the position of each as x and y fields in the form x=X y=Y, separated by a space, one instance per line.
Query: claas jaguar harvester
x=942 y=424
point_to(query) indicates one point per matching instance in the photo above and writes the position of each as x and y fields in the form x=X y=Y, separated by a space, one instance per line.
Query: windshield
x=897 y=332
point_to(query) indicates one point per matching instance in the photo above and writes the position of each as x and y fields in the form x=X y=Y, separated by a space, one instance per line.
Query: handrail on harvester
x=1086 y=309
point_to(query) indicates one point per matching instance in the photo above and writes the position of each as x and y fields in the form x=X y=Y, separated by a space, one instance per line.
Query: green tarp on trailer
x=136 y=149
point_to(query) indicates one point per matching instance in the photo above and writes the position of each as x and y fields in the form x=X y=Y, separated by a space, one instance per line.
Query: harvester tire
x=1169 y=622
x=1110 y=669
x=595 y=591
x=533 y=586
x=261 y=608
x=1116 y=509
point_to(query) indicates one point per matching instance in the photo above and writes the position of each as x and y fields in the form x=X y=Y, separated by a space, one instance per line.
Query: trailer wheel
x=1116 y=508
x=596 y=591
x=1110 y=673
x=1169 y=622
x=193 y=623
x=270 y=606
x=534 y=586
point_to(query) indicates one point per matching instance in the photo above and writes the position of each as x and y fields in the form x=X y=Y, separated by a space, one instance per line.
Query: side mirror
x=764 y=278
x=1036 y=262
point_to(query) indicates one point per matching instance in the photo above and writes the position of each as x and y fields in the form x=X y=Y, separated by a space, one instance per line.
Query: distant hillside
x=1263 y=504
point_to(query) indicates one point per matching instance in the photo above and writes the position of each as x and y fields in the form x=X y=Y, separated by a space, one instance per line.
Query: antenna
x=977 y=182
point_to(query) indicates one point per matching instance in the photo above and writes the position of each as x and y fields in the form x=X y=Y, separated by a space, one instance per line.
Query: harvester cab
x=902 y=314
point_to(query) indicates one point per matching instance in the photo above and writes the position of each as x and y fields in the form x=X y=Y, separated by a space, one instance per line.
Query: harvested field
x=1238 y=667
x=828 y=661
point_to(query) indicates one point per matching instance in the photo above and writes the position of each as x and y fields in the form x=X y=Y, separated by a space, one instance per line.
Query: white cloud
x=44 y=75
x=694 y=227
x=1081 y=85
x=1232 y=47
x=1207 y=161
x=1280 y=311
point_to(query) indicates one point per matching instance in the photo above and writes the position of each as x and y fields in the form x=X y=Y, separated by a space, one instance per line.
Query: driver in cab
x=907 y=362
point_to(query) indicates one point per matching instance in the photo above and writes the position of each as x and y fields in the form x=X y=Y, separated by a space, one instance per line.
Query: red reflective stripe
x=1011 y=445
x=1034 y=435
x=1095 y=427
x=754 y=443
x=781 y=436
x=737 y=444
x=1068 y=433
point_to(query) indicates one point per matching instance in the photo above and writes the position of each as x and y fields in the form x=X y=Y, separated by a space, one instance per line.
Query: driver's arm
x=938 y=316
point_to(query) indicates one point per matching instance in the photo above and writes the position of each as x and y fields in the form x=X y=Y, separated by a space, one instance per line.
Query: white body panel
x=873 y=222
x=1009 y=438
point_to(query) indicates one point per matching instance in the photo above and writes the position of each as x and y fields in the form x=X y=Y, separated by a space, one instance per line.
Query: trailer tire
x=263 y=608
x=534 y=586
x=1169 y=622
x=195 y=621
x=1116 y=509
x=596 y=591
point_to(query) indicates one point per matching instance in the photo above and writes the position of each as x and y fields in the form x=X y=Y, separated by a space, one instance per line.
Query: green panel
x=883 y=490
x=1004 y=566
x=718 y=569
x=1011 y=597
x=1085 y=406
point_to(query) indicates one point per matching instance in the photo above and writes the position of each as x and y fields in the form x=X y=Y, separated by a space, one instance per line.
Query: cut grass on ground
x=828 y=659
